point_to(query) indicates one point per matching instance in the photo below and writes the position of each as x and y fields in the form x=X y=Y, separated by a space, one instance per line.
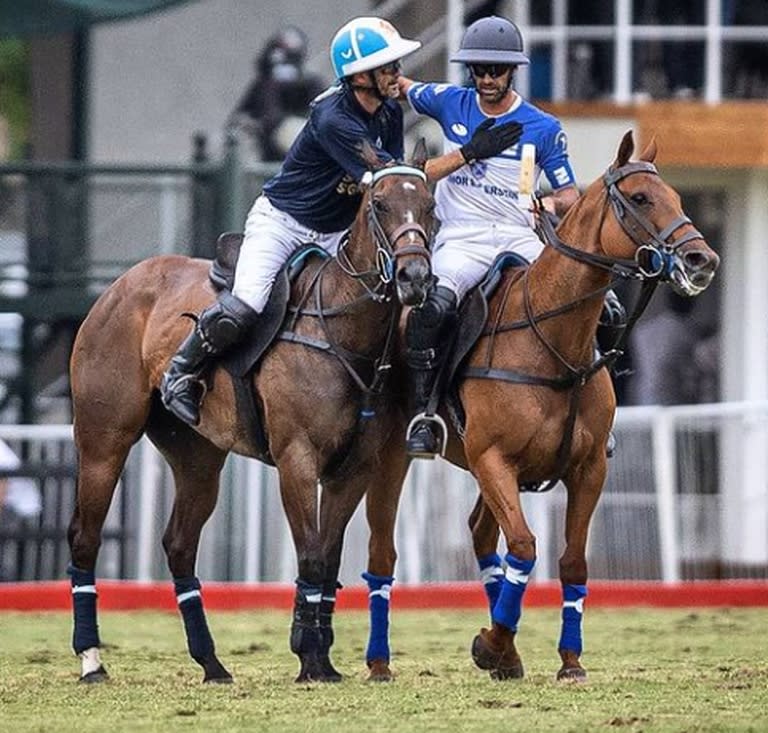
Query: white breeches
x=464 y=251
x=271 y=237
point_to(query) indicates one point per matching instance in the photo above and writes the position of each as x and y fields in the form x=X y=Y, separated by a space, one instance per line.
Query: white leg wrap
x=90 y=660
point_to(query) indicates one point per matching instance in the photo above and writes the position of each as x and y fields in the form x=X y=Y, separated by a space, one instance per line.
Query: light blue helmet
x=367 y=43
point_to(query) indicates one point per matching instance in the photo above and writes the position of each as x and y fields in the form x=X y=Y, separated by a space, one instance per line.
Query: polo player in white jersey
x=480 y=207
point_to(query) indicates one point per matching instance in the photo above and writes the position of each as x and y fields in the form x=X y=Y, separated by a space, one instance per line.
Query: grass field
x=650 y=670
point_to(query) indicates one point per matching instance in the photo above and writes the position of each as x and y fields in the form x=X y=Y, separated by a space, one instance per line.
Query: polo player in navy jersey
x=317 y=192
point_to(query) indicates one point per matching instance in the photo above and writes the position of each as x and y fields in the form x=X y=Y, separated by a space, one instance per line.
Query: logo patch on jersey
x=561 y=175
x=458 y=128
x=348 y=186
x=379 y=144
x=562 y=141
x=478 y=168
x=440 y=88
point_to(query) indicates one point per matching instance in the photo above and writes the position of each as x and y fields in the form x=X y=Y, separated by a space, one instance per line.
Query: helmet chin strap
x=374 y=87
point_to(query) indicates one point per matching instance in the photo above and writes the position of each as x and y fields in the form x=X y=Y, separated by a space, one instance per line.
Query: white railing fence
x=686 y=498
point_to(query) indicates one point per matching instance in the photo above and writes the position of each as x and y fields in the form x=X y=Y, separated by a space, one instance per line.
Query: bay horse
x=322 y=396
x=538 y=406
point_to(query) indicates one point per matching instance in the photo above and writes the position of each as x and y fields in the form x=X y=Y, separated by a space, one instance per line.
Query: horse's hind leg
x=382 y=500
x=485 y=540
x=101 y=456
x=584 y=486
x=196 y=464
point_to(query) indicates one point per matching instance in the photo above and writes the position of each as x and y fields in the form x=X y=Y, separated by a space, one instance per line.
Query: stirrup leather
x=437 y=420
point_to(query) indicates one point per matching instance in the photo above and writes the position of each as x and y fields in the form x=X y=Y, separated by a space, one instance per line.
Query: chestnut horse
x=538 y=407
x=330 y=422
x=558 y=403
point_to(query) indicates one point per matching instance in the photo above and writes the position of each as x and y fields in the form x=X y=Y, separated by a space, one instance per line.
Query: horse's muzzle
x=694 y=271
x=414 y=281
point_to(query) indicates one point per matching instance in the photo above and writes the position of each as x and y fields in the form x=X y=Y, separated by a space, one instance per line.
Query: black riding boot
x=219 y=327
x=428 y=336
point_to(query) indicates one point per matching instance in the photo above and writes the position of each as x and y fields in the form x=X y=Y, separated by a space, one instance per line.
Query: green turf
x=702 y=670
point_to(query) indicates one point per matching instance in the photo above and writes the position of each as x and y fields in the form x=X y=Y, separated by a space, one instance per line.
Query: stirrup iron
x=437 y=420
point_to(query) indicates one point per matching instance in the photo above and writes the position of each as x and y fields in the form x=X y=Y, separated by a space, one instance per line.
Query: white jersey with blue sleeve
x=488 y=190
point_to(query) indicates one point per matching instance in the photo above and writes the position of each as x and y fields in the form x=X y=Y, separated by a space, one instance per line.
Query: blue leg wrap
x=492 y=576
x=379 y=589
x=508 y=608
x=190 y=600
x=573 y=612
x=86 y=631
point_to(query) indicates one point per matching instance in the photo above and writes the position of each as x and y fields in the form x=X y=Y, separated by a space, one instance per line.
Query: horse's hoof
x=500 y=668
x=311 y=669
x=228 y=680
x=508 y=673
x=574 y=675
x=98 y=675
x=215 y=672
x=380 y=671
x=330 y=673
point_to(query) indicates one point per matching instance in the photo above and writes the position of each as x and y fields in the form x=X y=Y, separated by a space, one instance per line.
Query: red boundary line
x=117 y=595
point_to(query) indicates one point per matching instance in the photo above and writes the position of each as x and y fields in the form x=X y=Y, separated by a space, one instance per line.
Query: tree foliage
x=14 y=93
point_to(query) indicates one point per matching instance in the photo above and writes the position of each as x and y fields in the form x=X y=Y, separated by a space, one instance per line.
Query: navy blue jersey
x=318 y=184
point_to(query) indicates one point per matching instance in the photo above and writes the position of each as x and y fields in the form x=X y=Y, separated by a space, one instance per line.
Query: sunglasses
x=391 y=68
x=493 y=70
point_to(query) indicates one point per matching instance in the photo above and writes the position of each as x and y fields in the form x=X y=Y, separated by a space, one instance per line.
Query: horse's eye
x=639 y=198
x=380 y=205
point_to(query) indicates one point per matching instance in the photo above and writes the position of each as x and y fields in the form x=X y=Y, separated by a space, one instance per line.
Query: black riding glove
x=490 y=140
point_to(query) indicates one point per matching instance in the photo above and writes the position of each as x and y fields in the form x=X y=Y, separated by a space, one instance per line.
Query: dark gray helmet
x=491 y=40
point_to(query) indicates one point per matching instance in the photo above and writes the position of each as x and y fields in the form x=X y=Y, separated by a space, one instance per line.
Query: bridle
x=386 y=251
x=655 y=250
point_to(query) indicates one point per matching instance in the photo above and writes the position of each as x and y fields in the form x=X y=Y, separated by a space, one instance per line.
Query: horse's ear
x=626 y=149
x=649 y=154
x=369 y=156
x=420 y=155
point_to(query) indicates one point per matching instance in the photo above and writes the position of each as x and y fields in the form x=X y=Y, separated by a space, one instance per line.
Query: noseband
x=386 y=253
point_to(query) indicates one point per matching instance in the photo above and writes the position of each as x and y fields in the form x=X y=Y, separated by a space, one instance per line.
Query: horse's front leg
x=340 y=497
x=196 y=465
x=495 y=649
x=584 y=485
x=317 y=515
x=382 y=500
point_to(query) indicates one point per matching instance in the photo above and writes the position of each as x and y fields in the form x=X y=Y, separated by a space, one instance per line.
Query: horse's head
x=398 y=211
x=648 y=226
